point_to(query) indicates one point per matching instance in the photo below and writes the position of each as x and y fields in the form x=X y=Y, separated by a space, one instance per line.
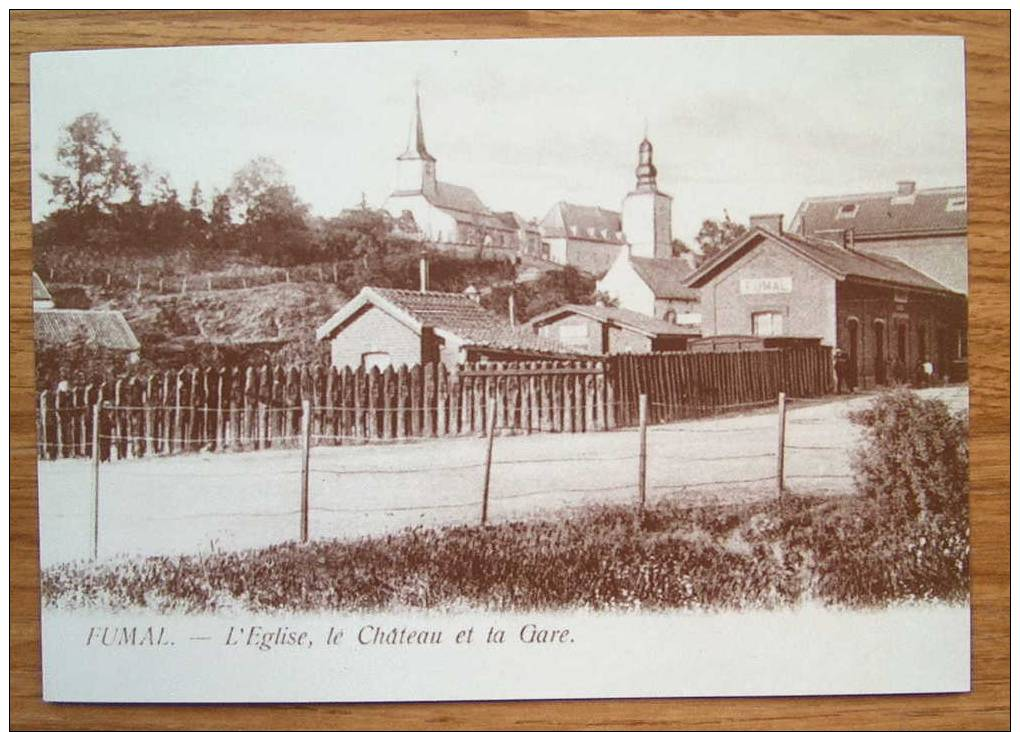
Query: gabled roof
x=925 y=211
x=628 y=319
x=836 y=260
x=39 y=291
x=463 y=205
x=104 y=328
x=592 y=223
x=665 y=277
x=450 y=314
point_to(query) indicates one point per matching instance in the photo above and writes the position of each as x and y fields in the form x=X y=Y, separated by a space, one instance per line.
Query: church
x=440 y=212
x=592 y=239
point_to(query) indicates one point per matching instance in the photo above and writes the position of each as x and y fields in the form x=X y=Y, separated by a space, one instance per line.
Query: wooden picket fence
x=201 y=410
x=686 y=385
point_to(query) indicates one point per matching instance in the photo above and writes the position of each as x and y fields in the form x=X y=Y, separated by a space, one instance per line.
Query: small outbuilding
x=601 y=330
x=384 y=327
x=106 y=329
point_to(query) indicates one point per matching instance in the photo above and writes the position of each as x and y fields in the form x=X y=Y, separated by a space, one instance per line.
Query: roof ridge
x=881 y=194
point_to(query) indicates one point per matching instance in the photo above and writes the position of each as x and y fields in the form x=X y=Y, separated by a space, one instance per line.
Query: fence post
x=490 y=420
x=781 y=445
x=306 y=422
x=94 y=539
x=643 y=454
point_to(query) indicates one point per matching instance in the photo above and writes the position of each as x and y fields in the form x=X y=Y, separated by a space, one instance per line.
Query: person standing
x=841 y=364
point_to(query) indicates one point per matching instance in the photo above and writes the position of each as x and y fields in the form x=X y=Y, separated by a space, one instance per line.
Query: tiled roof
x=838 y=260
x=620 y=316
x=448 y=312
x=582 y=222
x=104 y=328
x=666 y=277
x=876 y=214
x=458 y=198
x=39 y=291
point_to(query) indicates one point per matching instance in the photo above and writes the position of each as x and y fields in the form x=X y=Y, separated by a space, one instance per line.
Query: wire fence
x=461 y=483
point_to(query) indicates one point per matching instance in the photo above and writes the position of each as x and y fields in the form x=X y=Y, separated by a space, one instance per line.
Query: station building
x=887 y=316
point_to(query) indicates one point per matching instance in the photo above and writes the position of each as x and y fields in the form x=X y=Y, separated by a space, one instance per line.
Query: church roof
x=933 y=210
x=665 y=277
x=572 y=221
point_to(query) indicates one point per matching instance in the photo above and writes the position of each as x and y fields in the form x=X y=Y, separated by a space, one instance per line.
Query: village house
x=652 y=286
x=926 y=228
x=885 y=314
x=383 y=327
x=105 y=329
x=602 y=330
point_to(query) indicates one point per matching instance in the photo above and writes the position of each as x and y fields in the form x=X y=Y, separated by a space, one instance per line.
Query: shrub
x=914 y=455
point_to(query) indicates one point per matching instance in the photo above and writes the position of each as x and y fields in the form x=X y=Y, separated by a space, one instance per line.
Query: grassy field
x=841 y=551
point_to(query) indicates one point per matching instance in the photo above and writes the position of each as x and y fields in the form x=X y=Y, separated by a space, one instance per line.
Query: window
x=768 y=323
x=956 y=204
x=670 y=316
x=380 y=359
x=847 y=211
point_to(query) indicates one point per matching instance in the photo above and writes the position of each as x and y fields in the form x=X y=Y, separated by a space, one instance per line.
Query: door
x=880 y=370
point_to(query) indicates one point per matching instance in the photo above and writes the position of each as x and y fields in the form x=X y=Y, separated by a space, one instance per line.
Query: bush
x=914 y=455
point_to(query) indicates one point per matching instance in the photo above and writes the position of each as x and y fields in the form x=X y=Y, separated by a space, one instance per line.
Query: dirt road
x=197 y=503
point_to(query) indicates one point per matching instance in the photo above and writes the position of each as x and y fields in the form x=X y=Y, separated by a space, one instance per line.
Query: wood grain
x=987 y=39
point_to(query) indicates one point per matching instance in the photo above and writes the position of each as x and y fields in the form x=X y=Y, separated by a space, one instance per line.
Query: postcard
x=502 y=369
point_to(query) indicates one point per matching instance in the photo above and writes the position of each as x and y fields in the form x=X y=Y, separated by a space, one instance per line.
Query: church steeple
x=416 y=149
x=646 y=171
x=416 y=168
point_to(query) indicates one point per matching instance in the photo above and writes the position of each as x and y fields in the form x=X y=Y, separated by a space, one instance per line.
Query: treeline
x=106 y=201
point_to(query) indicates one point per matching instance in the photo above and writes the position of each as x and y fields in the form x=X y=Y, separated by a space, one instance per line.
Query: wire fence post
x=643 y=454
x=94 y=538
x=781 y=445
x=490 y=421
x=306 y=441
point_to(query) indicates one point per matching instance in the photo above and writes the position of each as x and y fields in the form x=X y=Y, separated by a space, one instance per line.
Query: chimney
x=423 y=273
x=769 y=222
x=905 y=187
x=848 y=239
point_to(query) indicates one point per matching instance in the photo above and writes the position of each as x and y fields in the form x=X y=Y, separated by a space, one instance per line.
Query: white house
x=652 y=286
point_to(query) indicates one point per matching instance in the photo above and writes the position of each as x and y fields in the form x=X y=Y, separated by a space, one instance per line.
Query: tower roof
x=416 y=149
x=646 y=172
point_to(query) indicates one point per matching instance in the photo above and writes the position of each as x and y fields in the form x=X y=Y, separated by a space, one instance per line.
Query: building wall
x=593 y=257
x=687 y=311
x=808 y=307
x=944 y=259
x=631 y=292
x=627 y=341
x=432 y=223
x=575 y=331
x=933 y=328
x=647 y=223
x=374 y=331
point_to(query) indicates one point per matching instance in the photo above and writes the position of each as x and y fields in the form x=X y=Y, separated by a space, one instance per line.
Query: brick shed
x=383 y=327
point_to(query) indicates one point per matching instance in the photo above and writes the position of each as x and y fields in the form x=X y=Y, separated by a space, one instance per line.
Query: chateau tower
x=416 y=168
x=647 y=211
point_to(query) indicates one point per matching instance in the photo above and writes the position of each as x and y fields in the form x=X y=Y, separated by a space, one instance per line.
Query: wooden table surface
x=987 y=38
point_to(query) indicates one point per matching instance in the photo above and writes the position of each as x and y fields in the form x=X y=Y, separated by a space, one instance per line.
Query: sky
x=746 y=125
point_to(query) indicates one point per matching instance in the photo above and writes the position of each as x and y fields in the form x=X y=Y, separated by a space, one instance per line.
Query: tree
x=716 y=235
x=197 y=227
x=98 y=171
x=252 y=181
x=277 y=228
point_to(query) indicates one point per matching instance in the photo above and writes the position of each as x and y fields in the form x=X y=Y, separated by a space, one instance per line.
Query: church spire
x=646 y=171
x=416 y=149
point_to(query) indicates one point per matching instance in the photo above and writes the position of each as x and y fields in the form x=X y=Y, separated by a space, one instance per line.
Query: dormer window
x=847 y=211
x=956 y=204
x=573 y=229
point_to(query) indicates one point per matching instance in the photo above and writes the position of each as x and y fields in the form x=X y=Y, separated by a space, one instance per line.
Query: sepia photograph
x=502 y=369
